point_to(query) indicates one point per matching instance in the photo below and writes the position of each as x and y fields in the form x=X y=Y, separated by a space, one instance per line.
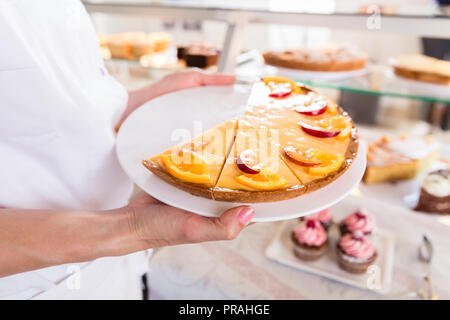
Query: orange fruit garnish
x=331 y=106
x=275 y=80
x=340 y=122
x=302 y=157
x=330 y=163
x=265 y=180
x=188 y=166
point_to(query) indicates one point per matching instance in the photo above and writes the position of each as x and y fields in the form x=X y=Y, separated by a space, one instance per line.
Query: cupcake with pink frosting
x=355 y=252
x=358 y=221
x=310 y=240
x=324 y=217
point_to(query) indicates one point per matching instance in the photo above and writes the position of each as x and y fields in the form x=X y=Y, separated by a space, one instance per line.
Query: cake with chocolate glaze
x=355 y=253
x=358 y=221
x=310 y=240
x=435 y=193
x=198 y=55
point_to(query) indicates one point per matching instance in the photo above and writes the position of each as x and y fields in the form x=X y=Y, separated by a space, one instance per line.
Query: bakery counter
x=239 y=269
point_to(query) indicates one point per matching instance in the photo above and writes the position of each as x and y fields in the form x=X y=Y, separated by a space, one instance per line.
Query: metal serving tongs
x=426 y=256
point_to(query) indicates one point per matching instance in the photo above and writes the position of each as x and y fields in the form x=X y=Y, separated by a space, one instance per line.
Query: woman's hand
x=156 y=224
x=192 y=79
x=171 y=83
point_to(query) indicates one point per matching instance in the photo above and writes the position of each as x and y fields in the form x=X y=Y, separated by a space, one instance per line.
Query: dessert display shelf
x=424 y=20
x=378 y=80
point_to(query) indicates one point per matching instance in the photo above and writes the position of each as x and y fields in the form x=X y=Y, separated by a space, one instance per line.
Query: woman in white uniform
x=67 y=230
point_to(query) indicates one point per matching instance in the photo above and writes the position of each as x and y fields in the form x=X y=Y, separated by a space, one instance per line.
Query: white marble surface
x=239 y=269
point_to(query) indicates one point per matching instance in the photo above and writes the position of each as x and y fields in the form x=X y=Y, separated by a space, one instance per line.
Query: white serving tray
x=378 y=277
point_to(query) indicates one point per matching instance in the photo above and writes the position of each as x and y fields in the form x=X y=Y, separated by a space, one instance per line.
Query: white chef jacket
x=58 y=109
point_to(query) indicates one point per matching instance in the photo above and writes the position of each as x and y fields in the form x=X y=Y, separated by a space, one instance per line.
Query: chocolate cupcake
x=324 y=217
x=360 y=221
x=435 y=193
x=355 y=253
x=310 y=240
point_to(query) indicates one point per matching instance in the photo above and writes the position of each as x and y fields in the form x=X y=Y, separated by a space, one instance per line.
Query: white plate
x=378 y=277
x=148 y=131
x=317 y=75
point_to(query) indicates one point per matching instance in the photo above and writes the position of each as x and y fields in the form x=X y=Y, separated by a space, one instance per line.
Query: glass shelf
x=331 y=7
x=379 y=80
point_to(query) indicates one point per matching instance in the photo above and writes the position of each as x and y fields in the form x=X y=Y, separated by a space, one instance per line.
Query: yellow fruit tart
x=291 y=140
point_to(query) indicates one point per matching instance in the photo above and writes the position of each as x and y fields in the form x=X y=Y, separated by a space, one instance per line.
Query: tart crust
x=245 y=196
x=193 y=188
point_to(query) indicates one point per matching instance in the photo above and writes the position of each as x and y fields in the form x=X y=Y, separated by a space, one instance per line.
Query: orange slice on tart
x=195 y=165
x=310 y=164
x=264 y=180
x=254 y=171
x=189 y=167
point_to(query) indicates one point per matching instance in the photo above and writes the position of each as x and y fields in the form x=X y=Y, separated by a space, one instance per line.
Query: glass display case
x=384 y=30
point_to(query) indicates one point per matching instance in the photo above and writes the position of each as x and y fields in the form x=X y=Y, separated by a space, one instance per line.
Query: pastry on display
x=104 y=50
x=422 y=68
x=133 y=45
x=355 y=253
x=323 y=216
x=399 y=158
x=310 y=240
x=359 y=221
x=331 y=57
x=374 y=8
x=435 y=193
x=290 y=141
x=200 y=55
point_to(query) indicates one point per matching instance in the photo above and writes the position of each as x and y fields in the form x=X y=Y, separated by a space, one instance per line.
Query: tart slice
x=195 y=166
x=254 y=171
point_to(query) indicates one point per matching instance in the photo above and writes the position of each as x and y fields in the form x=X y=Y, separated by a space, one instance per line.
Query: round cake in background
x=327 y=57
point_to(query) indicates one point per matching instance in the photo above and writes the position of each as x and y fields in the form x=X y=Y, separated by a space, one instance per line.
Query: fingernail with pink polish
x=245 y=215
